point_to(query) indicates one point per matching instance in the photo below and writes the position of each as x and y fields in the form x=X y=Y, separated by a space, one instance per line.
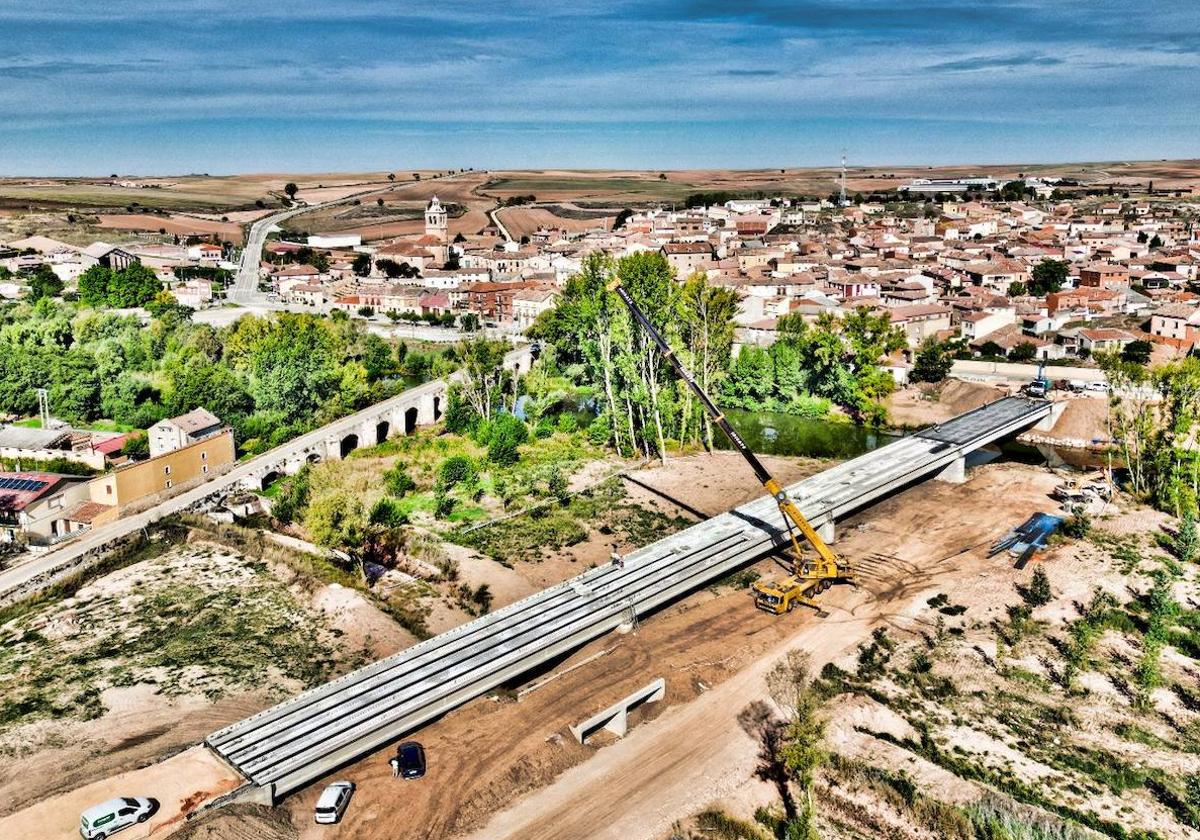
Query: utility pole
x=44 y=407
x=843 y=202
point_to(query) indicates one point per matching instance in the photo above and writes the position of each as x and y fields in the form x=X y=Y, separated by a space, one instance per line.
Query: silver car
x=333 y=802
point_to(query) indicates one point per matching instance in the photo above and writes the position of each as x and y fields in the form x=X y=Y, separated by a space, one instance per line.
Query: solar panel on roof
x=24 y=484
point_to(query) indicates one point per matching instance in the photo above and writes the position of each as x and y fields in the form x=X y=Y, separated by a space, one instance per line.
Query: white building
x=177 y=432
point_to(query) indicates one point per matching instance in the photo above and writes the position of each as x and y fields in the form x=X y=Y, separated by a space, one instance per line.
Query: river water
x=773 y=433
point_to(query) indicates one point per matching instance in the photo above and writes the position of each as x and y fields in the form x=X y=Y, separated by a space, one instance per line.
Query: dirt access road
x=907 y=550
x=713 y=650
x=179 y=783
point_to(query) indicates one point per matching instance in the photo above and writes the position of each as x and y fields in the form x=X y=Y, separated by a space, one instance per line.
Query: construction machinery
x=809 y=575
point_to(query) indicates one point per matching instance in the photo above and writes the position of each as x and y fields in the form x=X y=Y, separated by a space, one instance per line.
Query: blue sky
x=131 y=86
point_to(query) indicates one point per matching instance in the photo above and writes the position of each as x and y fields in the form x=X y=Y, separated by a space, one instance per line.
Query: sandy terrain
x=178 y=783
x=923 y=405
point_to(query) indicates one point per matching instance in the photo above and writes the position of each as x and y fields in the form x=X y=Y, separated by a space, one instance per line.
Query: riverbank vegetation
x=1153 y=416
x=269 y=378
x=643 y=407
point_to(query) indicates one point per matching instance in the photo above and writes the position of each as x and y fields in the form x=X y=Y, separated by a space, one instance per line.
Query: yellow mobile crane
x=809 y=575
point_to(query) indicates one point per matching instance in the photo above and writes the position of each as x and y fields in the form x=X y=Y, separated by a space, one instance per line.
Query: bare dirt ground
x=103 y=690
x=178 y=224
x=924 y=405
x=525 y=221
x=179 y=783
x=713 y=649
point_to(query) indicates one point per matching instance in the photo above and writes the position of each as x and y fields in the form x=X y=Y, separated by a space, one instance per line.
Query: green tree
x=202 y=384
x=1017 y=289
x=802 y=749
x=44 y=283
x=933 y=361
x=1039 y=593
x=334 y=519
x=1024 y=351
x=484 y=380
x=456 y=470
x=397 y=481
x=291 y=189
x=377 y=357
x=1186 y=544
x=1137 y=352
x=1048 y=277
x=707 y=322
x=556 y=483
x=136 y=447
x=93 y=286
x=503 y=437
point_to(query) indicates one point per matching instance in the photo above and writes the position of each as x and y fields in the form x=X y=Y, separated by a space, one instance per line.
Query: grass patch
x=604 y=509
x=195 y=620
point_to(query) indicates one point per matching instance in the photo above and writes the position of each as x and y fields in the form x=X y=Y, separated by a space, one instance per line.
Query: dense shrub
x=397 y=481
x=455 y=470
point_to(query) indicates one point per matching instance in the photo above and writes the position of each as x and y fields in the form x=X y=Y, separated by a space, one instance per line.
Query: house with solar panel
x=36 y=507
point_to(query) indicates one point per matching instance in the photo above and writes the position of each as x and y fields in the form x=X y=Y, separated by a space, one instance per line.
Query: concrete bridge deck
x=285 y=747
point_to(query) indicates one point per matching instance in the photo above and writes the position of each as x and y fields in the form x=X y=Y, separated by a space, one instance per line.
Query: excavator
x=809 y=575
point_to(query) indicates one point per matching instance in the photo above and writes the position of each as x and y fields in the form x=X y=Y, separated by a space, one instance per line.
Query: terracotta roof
x=1177 y=310
x=297 y=271
x=18 y=490
x=86 y=512
x=1107 y=334
x=905 y=313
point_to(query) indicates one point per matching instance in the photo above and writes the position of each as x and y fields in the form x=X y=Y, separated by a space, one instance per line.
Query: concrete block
x=1050 y=420
x=955 y=472
x=827 y=532
x=615 y=718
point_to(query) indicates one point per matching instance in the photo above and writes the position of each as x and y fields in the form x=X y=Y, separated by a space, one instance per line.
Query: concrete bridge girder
x=299 y=740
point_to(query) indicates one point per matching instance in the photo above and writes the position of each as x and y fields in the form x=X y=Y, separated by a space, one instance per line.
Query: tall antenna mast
x=843 y=198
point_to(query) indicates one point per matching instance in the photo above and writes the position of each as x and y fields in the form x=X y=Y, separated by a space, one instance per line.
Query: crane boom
x=829 y=566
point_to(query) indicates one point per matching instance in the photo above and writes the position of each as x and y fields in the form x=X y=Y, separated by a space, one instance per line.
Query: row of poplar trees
x=641 y=401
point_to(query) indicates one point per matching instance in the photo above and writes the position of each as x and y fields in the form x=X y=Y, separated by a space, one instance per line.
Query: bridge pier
x=955 y=472
x=827 y=532
x=1056 y=411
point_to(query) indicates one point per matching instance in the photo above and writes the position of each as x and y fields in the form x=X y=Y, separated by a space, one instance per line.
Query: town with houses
x=375 y=506
x=947 y=259
x=959 y=268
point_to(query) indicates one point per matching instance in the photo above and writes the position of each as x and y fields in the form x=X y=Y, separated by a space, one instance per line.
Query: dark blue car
x=411 y=756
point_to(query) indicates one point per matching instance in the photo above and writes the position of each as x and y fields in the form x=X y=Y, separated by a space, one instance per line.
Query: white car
x=1098 y=387
x=333 y=801
x=109 y=817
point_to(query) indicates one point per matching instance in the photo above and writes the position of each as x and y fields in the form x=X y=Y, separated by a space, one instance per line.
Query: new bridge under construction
x=283 y=748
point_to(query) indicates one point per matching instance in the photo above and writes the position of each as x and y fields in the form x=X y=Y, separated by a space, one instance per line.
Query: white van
x=333 y=801
x=109 y=817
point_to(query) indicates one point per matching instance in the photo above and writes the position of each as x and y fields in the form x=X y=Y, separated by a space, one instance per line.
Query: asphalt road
x=245 y=288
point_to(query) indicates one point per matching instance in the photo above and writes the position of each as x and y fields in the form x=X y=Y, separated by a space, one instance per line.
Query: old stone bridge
x=398 y=415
